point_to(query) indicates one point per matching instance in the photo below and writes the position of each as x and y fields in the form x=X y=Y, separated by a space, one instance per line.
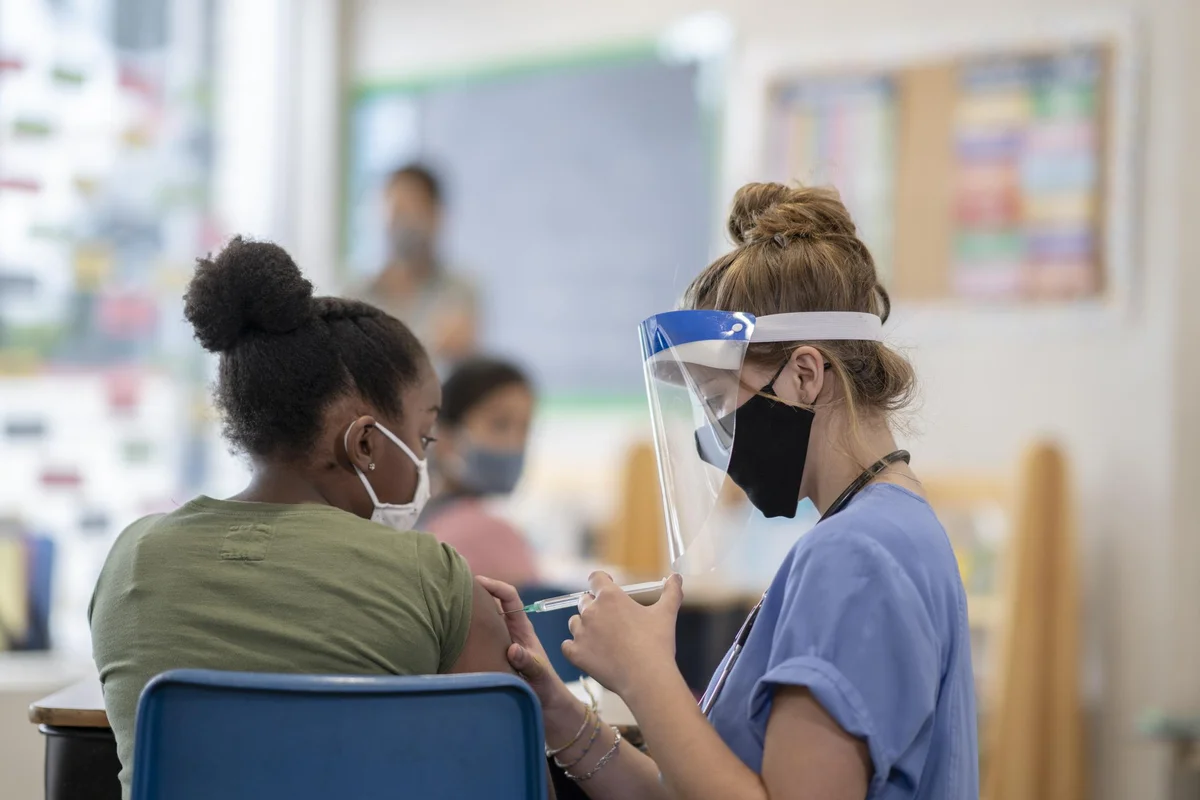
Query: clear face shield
x=693 y=360
x=693 y=365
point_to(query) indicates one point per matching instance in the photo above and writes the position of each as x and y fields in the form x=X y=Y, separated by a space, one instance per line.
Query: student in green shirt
x=313 y=568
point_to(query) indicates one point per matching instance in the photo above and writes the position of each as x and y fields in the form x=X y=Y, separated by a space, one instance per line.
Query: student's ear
x=362 y=443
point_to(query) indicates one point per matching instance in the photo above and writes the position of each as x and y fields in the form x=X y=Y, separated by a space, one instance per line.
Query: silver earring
x=371 y=466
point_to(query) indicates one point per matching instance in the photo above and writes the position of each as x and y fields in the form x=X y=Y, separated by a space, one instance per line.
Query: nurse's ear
x=803 y=377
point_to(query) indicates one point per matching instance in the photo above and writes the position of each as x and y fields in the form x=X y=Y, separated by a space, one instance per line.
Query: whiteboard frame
x=763 y=65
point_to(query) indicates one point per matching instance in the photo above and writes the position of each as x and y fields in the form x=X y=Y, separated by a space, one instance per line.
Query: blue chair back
x=204 y=734
x=551 y=628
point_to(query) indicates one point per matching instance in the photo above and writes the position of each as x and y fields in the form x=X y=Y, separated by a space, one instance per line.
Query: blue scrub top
x=868 y=612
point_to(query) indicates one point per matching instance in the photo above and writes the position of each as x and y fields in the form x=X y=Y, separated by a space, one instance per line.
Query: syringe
x=572 y=600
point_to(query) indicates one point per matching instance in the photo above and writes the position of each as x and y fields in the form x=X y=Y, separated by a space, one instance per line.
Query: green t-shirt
x=256 y=587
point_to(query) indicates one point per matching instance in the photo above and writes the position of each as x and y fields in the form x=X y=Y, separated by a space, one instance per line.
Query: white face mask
x=397 y=516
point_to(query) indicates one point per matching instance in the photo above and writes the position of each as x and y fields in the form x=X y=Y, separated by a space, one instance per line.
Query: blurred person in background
x=415 y=286
x=487 y=407
x=314 y=566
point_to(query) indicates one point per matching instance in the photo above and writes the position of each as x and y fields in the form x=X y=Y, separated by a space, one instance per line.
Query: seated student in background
x=313 y=568
x=486 y=410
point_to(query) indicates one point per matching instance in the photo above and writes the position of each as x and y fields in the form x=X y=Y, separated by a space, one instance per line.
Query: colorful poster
x=841 y=131
x=1028 y=178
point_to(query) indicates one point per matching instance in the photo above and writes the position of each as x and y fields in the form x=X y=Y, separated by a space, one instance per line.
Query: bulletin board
x=106 y=149
x=976 y=175
x=106 y=158
x=579 y=200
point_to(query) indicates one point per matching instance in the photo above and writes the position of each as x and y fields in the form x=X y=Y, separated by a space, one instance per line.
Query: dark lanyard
x=743 y=634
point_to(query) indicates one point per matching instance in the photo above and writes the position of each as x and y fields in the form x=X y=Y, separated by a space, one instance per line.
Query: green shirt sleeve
x=448 y=588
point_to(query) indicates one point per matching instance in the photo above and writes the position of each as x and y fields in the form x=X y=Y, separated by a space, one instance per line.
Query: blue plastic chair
x=551 y=628
x=204 y=734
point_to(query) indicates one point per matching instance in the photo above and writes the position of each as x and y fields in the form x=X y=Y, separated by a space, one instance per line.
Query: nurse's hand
x=526 y=654
x=620 y=642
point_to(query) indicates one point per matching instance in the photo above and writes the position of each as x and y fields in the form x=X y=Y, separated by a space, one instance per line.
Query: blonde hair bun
x=773 y=212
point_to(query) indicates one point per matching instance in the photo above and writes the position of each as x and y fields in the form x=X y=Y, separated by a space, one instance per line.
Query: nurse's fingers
x=586 y=601
x=599 y=581
x=672 y=596
x=526 y=662
x=571 y=651
x=509 y=599
x=573 y=625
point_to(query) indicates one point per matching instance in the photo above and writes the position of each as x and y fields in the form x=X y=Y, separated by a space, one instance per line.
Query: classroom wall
x=1186 y=555
x=1117 y=393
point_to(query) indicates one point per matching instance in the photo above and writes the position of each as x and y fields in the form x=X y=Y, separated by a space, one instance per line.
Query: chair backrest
x=204 y=734
x=551 y=628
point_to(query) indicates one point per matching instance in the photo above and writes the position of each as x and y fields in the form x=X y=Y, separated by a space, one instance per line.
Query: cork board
x=977 y=178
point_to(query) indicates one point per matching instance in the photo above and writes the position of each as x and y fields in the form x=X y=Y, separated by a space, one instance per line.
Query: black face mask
x=770 y=445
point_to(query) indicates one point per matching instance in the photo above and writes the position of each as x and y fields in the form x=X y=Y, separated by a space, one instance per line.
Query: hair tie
x=780 y=239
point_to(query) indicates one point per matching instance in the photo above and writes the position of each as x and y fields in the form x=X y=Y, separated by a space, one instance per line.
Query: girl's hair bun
x=248 y=287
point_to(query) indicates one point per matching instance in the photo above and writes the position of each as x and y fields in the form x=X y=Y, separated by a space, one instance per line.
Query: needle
x=572 y=600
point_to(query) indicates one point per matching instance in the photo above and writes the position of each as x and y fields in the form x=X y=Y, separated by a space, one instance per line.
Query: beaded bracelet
x=586 y=750
x=604 y=759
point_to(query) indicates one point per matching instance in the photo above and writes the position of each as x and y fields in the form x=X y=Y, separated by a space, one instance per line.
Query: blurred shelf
x=985 y=611
x=967 y=492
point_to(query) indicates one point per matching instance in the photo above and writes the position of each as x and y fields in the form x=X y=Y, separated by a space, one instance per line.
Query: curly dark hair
x=286 y=355
x=472 y=382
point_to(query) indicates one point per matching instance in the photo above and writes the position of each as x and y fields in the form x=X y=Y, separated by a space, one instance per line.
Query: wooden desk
x=80 y=705
x=81 y=753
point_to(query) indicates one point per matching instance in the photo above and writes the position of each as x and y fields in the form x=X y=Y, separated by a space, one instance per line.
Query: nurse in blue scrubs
x=852 y=678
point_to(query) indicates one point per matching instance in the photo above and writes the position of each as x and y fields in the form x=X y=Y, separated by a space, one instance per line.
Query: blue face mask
x=410 y=243
x=489 y=471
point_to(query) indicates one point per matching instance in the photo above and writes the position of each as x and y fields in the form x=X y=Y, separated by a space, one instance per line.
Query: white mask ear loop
x=362 y=477
x=398 y=442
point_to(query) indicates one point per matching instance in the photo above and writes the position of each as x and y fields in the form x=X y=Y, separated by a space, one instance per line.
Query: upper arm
x=808 y=756
x=115 y=562
x=486 y=649
x=450 y=598
x=856 y=639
